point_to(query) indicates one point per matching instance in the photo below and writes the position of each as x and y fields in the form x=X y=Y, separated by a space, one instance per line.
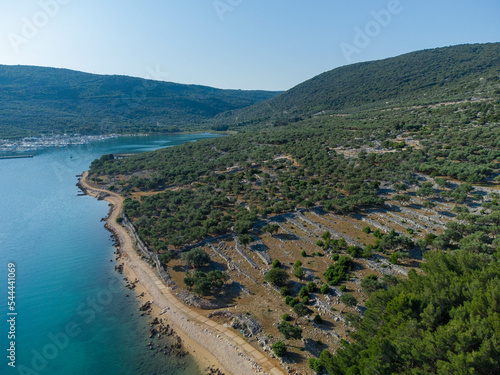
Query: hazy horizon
x=233 y=44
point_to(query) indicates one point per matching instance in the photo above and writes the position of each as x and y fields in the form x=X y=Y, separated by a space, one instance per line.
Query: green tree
x=245 y=239
x=339 y=271
x=279 y=348
x=206 y=283
x=276 y=276
x=166 y=257
x=354 y=251
x=289 y=331
x=394 y=258
x=298 y=272
x=196 y=257
x=311 y=286
x=285 y=291
x=303 y=292
x=301 y=310
x=371 y=284
x=326 y=235
x=348 y=300
x=276 y=264
x=315 y=365
x=325 y=289
x=271 y=228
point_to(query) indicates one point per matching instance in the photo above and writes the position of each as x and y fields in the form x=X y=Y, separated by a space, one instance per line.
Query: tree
x=311 y=286
x=285 y=291
x=354 y=251
x=289 y=331
x=371 y=284
x=325 y=289
x=441 y=182
x=317 y=319
x=348 y=300
x=303 y=292
x=276 y=276
x=394 y=258
x=206 y=283
x=301 y=310
x=271 y=228
x=196 y=257
x=298 y=272
x=276 y=264
x=426 y=190
x=245 y=239
x=339 y=271
x=400 y=187
x=166 y=257
x=315 y=365
x=279 y=348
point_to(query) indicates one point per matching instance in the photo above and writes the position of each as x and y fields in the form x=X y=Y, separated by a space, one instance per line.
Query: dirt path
x=210 y=342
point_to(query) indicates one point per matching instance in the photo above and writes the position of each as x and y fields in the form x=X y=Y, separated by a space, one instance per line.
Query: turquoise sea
x=73 y=315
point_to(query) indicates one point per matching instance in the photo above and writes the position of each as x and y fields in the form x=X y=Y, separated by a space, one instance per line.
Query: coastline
x=211 y=345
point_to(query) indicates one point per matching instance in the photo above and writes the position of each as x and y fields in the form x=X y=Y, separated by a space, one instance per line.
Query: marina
x=32 y=144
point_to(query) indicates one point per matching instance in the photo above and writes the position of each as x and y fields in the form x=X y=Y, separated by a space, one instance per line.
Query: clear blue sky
x=247 y=44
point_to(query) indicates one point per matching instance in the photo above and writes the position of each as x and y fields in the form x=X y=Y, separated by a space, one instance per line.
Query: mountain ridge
x=419 y=77
x=57 y=99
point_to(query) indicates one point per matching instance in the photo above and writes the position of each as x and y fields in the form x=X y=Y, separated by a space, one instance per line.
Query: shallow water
x=73 y=316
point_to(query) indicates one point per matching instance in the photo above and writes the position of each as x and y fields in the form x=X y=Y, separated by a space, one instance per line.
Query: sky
x=237 y=44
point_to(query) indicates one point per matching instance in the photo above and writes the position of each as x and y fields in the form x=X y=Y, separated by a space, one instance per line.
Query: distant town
x=32 y=144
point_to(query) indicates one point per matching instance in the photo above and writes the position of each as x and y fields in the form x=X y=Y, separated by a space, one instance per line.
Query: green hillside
x=445 y=74
x=381 y=227
x=36 y=99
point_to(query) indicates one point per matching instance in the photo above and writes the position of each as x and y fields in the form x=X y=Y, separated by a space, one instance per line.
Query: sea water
x=72 y=315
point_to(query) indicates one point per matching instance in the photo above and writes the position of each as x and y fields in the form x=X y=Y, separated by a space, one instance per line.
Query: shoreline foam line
x=210 y=343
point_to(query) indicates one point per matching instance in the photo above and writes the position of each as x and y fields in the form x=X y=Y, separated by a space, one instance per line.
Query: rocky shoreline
x=217 y=349
x=164 y=339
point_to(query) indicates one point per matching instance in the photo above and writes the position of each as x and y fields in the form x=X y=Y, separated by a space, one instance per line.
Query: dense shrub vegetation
x=442 y=320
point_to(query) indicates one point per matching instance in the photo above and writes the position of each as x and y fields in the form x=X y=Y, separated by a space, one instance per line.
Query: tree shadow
x=313 y=347
x=295 y=286
x=259 y=247
x=286 y=237
x=213 y=266
x=230 y=293
x=293 y=357
x=446 y=213
x=326 y=325
x=180 y=268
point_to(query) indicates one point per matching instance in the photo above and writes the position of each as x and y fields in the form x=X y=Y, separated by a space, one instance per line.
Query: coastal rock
x=146 y=307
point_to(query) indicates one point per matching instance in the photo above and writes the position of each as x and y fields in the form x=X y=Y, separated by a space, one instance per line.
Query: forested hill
x=445 y=74
x=37 y=99
x=376 y=233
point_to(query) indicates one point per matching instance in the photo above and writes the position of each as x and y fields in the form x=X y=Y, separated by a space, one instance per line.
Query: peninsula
x=336 y=220
x=213 y=345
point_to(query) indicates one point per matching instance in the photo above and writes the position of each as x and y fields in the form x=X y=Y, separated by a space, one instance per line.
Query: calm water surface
x=73 y=316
